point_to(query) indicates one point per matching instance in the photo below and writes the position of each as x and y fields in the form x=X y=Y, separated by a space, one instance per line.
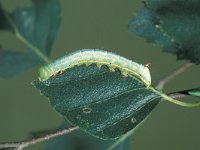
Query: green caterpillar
x=99 y=57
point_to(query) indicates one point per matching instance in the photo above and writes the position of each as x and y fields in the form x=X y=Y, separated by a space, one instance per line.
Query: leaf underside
x=101 y=102
x=38 y=23
x=12 y=63
x=172 y=24
x=37 y=26
x=79 y=140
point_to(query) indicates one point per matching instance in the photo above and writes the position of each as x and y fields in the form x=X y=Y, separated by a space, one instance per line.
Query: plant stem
x=177 y=102
x=38 y=52
x=172 y=75
x=21 y=145
x=170 y=97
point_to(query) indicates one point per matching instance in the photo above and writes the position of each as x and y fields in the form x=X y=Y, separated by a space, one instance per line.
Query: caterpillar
x=99 y=57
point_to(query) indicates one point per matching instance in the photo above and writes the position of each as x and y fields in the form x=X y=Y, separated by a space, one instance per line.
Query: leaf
x=195 y=93
x=143 y=24
x=79 y=140
x=156 y=4
x=191 y=92
x=178 y=21
x=38 y=24
x=4 y=24
x=13 y=63
x=99 y=100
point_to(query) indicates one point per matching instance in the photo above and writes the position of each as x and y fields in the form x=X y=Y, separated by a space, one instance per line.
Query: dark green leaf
x=4 y=23
x=143 y=24
x=195 y=93
x=175 y=24
x=106 y=104
x=191 y=92
x=156 y=4
x=13 y=63
x=79 y=140
x=38 y=24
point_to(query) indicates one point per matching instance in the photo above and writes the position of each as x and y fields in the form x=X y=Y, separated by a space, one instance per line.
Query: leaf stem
x=172 y=75
x=177 y=102
x=170 y=97
x=21 y=145
x=38 y=52
x=35 y=49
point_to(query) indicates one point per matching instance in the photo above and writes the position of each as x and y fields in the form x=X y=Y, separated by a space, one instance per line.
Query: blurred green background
x=103 y=25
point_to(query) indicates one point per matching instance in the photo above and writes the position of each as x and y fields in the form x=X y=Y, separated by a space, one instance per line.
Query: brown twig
x=172 y=75
x=21 y=145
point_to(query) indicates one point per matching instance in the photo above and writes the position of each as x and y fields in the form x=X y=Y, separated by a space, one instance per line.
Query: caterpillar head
x=44 y=73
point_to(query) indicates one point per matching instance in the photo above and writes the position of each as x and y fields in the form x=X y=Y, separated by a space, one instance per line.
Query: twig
x=172 y=75
x=21 y=145
x=177 y=95
x=160 y=86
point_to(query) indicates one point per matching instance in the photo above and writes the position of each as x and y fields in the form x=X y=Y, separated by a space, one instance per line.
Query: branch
x=159 y=85
x=172 y=75
x=177 y=95
x=21 y=145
